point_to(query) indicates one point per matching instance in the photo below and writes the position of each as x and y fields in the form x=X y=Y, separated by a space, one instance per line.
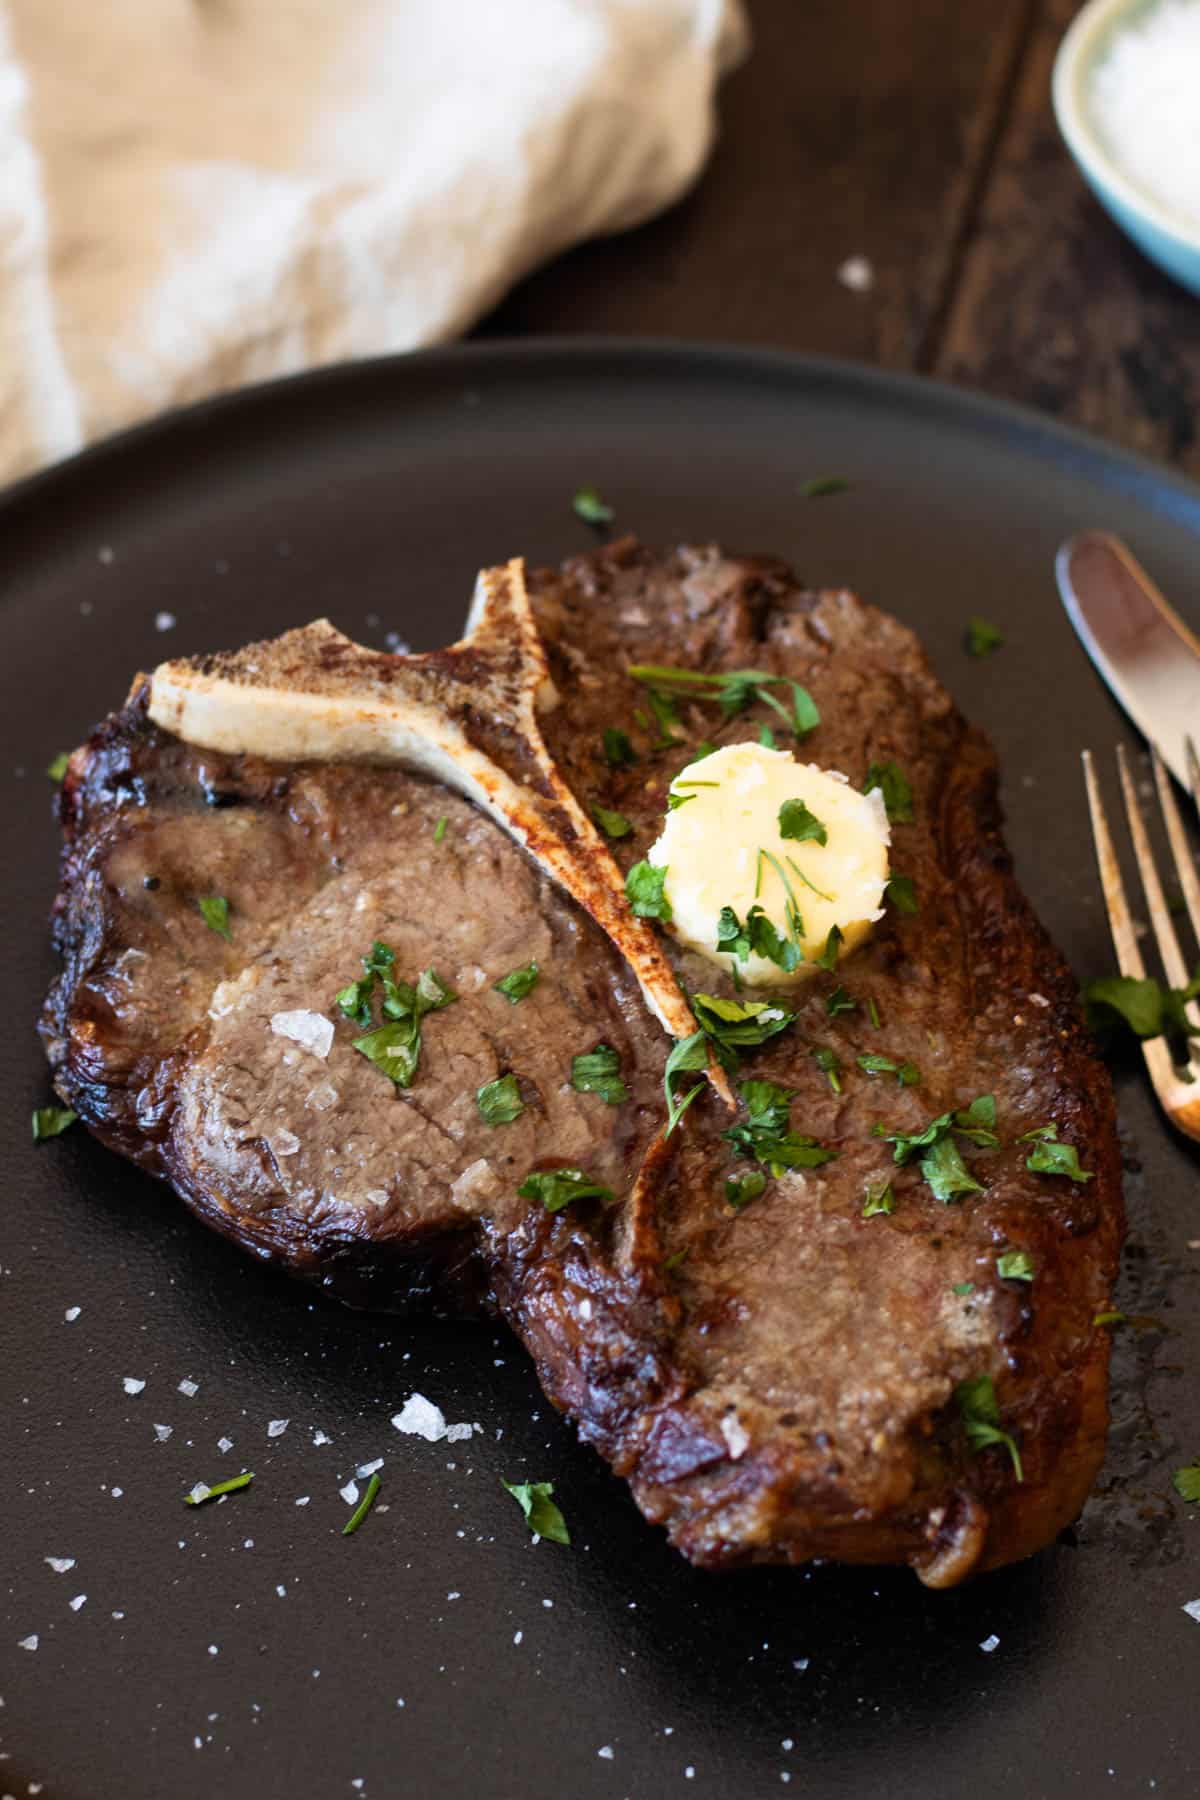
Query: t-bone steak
x=789 y=1379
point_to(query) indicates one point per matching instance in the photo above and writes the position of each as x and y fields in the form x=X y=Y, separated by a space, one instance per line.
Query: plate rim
x=966 y=407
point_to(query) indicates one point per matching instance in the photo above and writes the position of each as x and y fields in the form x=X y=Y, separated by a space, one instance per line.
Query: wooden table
x=916 y=134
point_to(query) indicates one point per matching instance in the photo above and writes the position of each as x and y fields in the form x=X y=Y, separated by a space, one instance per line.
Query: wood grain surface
x=917 y=134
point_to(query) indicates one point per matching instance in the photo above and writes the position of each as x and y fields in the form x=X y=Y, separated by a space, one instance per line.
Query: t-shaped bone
x=466 y=715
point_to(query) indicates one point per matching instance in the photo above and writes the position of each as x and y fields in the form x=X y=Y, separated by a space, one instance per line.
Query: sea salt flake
x=736 y=1436
x=28 y=1643
x=213 y=1650
x=132 y=1385
x=349 y=1493
x=72 y=1313
x=303 y=1500
x=1192 y=1609
x=276 y=1428
x=164 y=621
x=60 y=1564
x=77 y=1602
x=990 y=1643
x=857 y=273
x=190 y=1388
x=369 y=1468
x=605 y=1751
x=517 y=1636
x=281 y=1590
x=163 y=1432
x=284 y=1142
x=224 y=1445
x=311 y=1030
x=419 y=1417
x=321 y=1437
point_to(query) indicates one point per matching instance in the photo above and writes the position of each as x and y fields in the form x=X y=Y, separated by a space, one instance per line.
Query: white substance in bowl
x=1145 y=103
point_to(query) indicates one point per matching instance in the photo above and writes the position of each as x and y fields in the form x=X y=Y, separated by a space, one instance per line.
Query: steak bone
x=466 y=715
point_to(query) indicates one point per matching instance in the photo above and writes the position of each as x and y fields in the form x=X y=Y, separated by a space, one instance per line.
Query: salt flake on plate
x=276 y=1428
x=1192 y=1609
x=60 y=1564
x=311 y=1030
x=132 y=1385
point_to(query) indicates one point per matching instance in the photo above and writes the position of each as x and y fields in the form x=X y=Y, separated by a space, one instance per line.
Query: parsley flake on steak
x=556 y=1188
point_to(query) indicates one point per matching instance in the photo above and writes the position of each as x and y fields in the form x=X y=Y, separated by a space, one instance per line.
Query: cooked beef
x=776 y=1383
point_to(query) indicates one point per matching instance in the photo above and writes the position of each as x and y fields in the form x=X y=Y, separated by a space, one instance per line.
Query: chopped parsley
x=981 y=1418
x=1186 y=1482
x=740 y=1190
x=58 y=767
x=791 y=911
x=766 y=738
x=439 y=830
x=906 y=1073
x=51 y=1121
x=766 y=1136
x=902 y=894
x=940 y=1160
x=826 y=1060
x=598 y=1071
x=591 y=508
x=1146 y=1008
x=666 y=717
x=893 y=784
x=689 y=1054
x=612 y=824
x=395 y=1046
x=675 y=801
x=518 y=984
x=829 y=954
x=500 y=1101
x=823 y=485
x=556 y=1188
x=676 y=1258
x=946 y=1172
x=354 y=1000
x=644 y=889
x=802 y=826
x=541 y=1515
x=978 y=1122
x=757 y=936
x=872 y=1011
x=1015 y=1265
x=739 y=1024
x=202 y=1492
x=879 y=1199
x=963 y=1288
x=214 y=910
x=982 y=637
x=839 y=1002
x=363 y=1508
x=618 y=751
x=1049 y=1157
x=1110 y=1318
x=735 y=690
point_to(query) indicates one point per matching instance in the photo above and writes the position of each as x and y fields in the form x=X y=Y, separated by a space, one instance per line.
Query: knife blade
x=1143 y=649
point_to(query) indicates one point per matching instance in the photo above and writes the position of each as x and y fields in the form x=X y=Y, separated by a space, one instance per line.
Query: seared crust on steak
x=776 y=1384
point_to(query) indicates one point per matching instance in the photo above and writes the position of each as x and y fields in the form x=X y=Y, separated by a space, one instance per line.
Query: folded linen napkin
x=195 y=194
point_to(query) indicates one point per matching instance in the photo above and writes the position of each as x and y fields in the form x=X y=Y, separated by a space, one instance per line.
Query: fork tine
x=1129 y=955
x=1160 y=918
x=1185 y=866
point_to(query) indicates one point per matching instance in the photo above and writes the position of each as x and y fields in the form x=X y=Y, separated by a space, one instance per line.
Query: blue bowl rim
x=1075 y=53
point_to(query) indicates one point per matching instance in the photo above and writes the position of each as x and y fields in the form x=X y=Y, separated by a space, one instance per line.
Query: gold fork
x=1178 y=1089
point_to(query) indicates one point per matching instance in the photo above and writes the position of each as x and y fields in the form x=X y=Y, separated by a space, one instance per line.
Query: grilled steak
x=777 y=1382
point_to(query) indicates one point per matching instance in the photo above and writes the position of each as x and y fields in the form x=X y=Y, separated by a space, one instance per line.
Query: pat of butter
x=722 y=847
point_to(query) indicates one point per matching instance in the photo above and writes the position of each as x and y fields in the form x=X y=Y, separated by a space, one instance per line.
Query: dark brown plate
x=247 y=1648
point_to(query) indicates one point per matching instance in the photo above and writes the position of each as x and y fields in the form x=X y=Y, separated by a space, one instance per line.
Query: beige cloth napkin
x=200 y=193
